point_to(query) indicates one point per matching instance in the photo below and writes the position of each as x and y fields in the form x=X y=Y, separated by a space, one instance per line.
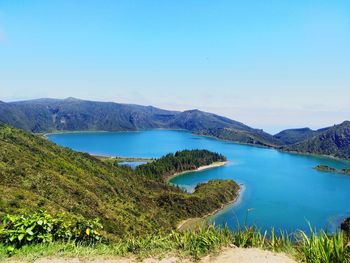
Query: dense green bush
x=40 y=227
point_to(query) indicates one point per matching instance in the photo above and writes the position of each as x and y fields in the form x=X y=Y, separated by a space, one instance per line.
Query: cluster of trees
x=179 y=162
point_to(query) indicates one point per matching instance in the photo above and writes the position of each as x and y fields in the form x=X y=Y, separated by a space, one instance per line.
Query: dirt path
x=251 y=255
x=228 y=255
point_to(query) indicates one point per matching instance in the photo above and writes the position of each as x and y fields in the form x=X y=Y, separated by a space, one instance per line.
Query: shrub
x=41 y=227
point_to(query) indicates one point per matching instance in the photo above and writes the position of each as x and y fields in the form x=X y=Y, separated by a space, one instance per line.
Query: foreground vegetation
x=82 y=239
x=19 y=230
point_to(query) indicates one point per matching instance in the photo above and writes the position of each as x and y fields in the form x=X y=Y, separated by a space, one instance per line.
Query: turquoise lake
x=279 y=190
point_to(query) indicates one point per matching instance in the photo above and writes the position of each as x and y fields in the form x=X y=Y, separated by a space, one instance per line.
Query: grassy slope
x=35 y=173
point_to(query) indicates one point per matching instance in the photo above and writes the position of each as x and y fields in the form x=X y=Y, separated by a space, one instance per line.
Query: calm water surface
x=280 y=190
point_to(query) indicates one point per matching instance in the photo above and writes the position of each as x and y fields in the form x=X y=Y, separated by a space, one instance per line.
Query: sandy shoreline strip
x=201 y=168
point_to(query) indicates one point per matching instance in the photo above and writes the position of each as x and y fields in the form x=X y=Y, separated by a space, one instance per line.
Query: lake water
x=280 y=190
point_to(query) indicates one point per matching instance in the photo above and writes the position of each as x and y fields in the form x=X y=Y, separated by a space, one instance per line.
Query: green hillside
x=252 y=136
x=35 y=173
x=292 y=136
x=334 y=141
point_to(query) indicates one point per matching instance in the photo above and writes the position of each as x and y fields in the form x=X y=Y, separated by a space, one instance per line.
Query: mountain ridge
x=72 y=114
x=291 y=136
x=333 y=141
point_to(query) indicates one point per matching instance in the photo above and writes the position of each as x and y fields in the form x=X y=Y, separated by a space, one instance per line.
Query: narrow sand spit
x=201 y=168
x=228 y=255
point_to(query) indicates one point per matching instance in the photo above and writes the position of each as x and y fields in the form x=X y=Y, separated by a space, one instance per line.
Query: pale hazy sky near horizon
x=270 y=64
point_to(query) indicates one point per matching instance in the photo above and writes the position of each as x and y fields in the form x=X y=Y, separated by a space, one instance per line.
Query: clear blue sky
x=270 y=64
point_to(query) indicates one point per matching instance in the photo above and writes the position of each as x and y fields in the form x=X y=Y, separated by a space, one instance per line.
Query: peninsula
x=326 y=168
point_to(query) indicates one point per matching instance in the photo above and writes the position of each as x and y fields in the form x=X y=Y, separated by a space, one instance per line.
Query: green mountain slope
x=334 y=141
x=35 y=173
x=252 y=136
x=45 y=115
x=292 y=136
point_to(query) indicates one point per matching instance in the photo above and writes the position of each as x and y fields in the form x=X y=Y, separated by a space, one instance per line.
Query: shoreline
x=203 y=218
x=322 y=156
x=122 y=158
x=45 y=134
x=199 y=169
x=277 y=148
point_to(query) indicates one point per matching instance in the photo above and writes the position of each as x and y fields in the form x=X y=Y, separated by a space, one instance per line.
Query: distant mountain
x=45 y=115
x=292 y=136
x=333 y=141
x=196 y=120
x=48 y=115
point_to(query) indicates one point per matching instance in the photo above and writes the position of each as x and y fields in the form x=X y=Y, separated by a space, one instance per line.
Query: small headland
x=326 y=168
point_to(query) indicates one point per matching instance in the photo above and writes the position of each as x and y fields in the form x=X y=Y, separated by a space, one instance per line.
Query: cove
x=280 y=190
